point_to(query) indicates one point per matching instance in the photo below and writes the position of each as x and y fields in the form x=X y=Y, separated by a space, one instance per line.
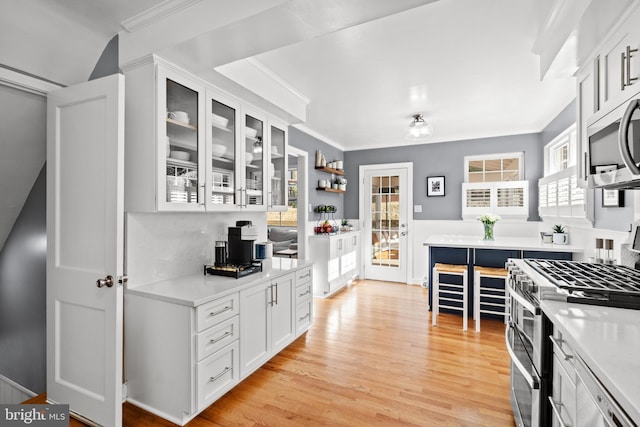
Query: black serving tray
x=233 y=271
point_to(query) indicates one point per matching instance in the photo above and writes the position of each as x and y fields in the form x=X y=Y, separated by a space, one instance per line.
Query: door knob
x=404 y=233
x=107 y=281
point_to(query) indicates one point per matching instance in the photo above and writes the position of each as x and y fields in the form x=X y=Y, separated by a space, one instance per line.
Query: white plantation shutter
x=559 y=195
x=509 y=199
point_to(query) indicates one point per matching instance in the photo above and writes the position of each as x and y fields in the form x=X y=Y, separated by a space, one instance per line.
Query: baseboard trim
x=14 y=384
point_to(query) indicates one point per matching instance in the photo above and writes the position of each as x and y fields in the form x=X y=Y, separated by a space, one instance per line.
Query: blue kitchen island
x=473 y=250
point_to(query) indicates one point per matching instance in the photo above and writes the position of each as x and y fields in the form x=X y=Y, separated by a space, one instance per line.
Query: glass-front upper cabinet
x=254 y=162
x=223 y=190
x=180 y=142
x=277 y=167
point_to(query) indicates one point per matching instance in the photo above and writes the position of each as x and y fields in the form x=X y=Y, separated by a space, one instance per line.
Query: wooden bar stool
x=449 y=295
x=493 y=298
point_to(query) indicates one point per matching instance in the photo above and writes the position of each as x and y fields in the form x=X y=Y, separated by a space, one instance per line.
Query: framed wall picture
x=435 y=186
x=612 y=198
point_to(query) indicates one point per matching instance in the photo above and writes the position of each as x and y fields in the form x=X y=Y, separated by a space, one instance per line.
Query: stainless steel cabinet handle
x=215 y=313
x=622 y=68
x=629 y=78
x=307 y=292
x=305 y=316
x=271 y=296
x=107 y=281
x=306 y=275
x=217 y=377
x=276 y=286
x=558 y=343
x=556 y=410
x=223 y=336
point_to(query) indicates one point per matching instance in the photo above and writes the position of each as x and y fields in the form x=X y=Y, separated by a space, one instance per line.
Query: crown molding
x=276 y=78
x=26 y=82
x=310 y=132
x=155 y=14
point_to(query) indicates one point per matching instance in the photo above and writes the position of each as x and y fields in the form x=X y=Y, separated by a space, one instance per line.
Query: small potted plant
x=559 y=235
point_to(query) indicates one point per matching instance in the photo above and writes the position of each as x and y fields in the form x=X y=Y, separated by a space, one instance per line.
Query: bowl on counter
x=219 y=121
x=218 y=150
x=180 y=155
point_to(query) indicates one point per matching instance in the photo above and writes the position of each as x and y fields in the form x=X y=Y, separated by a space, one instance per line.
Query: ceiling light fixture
x=419 y=129
x=257 y=146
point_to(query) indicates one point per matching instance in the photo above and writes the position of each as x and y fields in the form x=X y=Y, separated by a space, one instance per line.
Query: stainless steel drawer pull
x=223 y=336
x=558 y=344
x=307 y=292
x=556 y=410
x=217 y=377
x=305 y=316
x=306 y=275
x=215 y=313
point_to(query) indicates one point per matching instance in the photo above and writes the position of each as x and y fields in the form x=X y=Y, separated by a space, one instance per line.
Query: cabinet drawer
x=303 y=276
x=303 y=292
x=563 y=395
x=217 y=374
x=213 y=339
x=216 y=311
x=565 y=354
x=304 y=315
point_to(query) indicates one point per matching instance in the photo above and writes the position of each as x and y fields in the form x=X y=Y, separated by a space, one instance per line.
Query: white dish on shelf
x=250 y=132
x=248 y=157
x=218 y=150
x=180 y=155
x=219 y=121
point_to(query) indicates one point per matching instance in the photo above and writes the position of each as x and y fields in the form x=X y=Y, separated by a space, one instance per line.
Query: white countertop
x=342 y=233
x=520 y=243
x=197 y=289
x=608 y=340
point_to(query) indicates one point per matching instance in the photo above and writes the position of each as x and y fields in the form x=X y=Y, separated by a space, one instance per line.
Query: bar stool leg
x=434 y=295
x=476 y=299
x=465 y=302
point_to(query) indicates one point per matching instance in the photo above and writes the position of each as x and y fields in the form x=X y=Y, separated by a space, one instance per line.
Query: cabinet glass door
x=254 y=162
x=223 y=154
x=277 y=169
x=182 y=144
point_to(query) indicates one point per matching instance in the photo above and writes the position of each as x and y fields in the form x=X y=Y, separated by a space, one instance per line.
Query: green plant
x=558 y=228
x=345 y=221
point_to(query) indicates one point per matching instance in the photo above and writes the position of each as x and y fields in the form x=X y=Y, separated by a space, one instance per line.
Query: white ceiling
x=366 y=66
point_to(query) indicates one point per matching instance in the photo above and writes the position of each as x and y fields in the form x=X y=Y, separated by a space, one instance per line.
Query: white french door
x=385 y=198
x=85 y=187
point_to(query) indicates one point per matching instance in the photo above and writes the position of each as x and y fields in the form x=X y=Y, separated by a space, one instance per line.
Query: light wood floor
x=372 y=357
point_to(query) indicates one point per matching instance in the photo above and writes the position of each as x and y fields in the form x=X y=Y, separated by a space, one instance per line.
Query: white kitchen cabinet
x=266 y=321
x=563 y=392
x=303 y=300
x=587 y=104
x=278 y=156
x=216 y=157
x=335 y=261
x=180 y=359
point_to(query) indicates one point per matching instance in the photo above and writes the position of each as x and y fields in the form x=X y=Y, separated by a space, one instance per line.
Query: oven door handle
x=522 y=301
x=532 y=379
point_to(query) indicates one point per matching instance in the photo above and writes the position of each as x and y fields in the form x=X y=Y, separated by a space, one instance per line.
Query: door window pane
x=385 y=214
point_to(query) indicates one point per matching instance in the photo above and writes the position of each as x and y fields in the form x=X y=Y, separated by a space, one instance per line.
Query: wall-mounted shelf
x=329 y=170
x=330 y=190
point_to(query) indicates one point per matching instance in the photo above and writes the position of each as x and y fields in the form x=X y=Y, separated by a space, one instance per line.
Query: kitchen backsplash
x=163 y=246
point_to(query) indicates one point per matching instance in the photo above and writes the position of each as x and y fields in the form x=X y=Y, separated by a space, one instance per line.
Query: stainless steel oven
x=526 y=345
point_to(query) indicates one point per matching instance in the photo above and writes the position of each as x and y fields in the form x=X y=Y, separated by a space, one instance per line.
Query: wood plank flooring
x=372 y=358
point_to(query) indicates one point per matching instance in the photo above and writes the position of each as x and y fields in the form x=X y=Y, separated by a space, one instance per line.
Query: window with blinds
x=509 y=199
x=559 y=191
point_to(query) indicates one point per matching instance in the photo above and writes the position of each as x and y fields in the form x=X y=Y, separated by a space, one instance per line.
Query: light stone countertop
x=608 y=340
x=521 y=243
x=197 y=289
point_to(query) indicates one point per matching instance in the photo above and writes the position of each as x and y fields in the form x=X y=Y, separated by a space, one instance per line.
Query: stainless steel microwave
x=614 y=148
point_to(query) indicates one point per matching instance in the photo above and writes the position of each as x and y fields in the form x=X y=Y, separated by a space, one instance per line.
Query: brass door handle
x=107 y=281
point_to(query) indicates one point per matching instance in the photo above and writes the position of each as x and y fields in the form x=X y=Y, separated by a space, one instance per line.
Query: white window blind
x=560 y=196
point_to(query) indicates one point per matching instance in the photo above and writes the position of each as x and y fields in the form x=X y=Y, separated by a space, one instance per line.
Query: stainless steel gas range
x=529 y=282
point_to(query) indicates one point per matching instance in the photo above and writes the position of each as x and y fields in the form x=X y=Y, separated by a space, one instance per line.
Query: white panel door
x=386 y=206
x=85 y=147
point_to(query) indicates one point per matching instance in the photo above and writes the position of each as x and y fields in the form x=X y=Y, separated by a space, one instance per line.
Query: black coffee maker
x=241 y=239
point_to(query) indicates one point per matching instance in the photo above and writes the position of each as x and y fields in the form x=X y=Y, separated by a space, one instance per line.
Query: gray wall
x=445 y=159
x=308 y=143
x=559 y=124
x=108 y=62
x=23 y=294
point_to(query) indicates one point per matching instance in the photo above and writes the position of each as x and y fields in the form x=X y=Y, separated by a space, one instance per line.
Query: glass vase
x=488 y=231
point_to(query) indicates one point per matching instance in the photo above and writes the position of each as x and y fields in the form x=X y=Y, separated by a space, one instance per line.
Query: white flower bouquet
x=489 y=218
